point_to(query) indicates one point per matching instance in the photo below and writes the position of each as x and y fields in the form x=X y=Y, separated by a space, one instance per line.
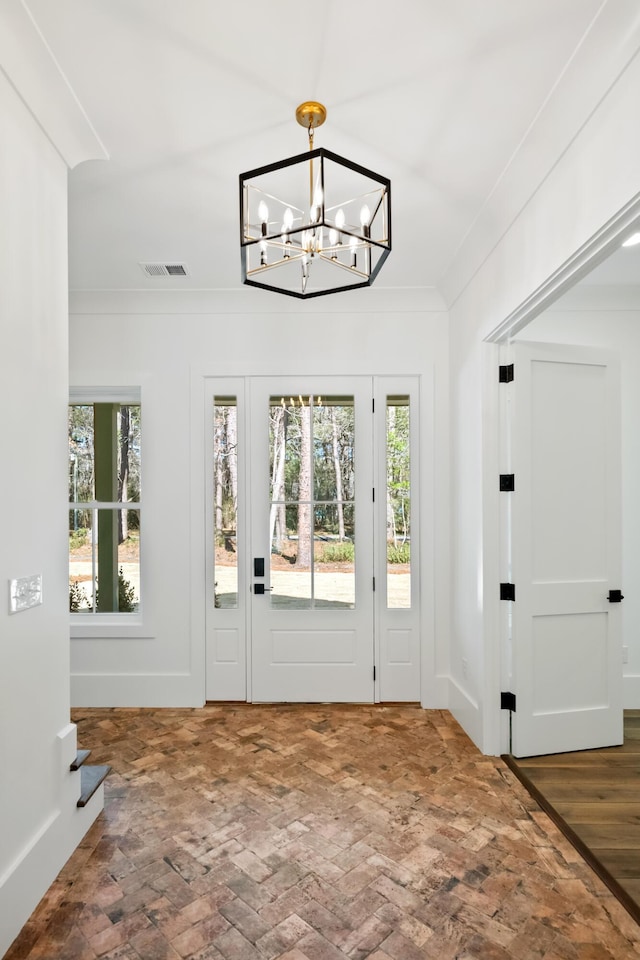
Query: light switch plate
x=25 y=592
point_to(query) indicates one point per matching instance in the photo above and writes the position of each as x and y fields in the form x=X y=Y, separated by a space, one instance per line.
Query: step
x=81 y=756
x=92 y=775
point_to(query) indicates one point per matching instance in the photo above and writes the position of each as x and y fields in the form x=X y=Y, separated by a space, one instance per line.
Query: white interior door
x=312 y=603
x=566 y=648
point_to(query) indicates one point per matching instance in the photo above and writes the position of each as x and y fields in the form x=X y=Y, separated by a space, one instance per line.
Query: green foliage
x=77 y=538
x=77 y=598
x=398 y=553
x=336 y=553
x=126 y=595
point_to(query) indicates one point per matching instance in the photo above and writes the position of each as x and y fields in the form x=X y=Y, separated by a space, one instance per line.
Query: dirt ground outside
x=333 y=583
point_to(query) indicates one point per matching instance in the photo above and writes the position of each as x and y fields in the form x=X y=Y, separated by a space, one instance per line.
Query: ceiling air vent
x=165 y=269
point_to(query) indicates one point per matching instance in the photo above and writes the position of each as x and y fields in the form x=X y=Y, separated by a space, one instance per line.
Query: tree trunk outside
x=219 y=476
x=277 y=512
x=305 y=513
x=391 y=519
x=232 y=457
x=336 y=464
x=123 y=475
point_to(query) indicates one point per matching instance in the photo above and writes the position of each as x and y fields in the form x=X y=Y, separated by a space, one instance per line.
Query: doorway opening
x=591 y=679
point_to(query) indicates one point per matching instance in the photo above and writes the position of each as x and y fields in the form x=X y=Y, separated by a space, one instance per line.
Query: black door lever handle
x=615 y=596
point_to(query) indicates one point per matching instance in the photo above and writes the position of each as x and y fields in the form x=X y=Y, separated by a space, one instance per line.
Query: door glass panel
x=334 y=566
x=225 y=474
x=398 y=504
x=333 y=431
x=311 y=483
x=291 y=584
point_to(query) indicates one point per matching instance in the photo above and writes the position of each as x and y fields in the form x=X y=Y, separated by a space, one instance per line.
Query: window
x=104 y=503
x=225 y=471
x=398 y=503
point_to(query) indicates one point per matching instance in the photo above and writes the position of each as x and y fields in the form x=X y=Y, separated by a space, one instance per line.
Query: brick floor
x=243 y=832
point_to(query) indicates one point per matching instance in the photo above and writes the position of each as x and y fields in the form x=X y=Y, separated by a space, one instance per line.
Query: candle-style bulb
x=339 y=219
x=365 y=216
x=287 y=223
x=263 y=214
x=333 y=240
x=316 y=209
x=353 y=244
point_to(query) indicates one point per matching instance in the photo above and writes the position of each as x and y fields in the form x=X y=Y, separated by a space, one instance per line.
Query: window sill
x=107 y=626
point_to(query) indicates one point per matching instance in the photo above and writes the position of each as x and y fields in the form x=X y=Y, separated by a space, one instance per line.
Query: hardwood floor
x=594 y=797
x=316 y=832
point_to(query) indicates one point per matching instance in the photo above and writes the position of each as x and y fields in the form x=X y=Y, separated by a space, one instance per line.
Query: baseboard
x=436 y=696
x=631 y=692
x=467 y=712
x=27 y=880
x=136 y=690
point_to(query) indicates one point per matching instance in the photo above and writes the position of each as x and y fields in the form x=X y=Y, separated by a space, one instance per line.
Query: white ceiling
x=435 y=94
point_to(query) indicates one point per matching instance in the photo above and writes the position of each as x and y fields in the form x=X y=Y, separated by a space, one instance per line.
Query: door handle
x=260 y=588
x=615 y=596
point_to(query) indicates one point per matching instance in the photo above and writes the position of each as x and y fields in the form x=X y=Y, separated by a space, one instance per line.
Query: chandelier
x=315 y=223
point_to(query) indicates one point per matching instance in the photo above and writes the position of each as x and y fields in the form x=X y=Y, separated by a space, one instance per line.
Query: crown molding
x=35 y=75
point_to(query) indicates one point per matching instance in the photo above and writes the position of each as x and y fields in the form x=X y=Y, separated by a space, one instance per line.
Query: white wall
x=609 y=317
x=593 y=177
x=167 y=343
x=40 y=822
x=43 y=131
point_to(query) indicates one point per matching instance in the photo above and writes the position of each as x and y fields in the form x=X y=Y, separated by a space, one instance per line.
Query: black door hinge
x=507 y=591
x=374 y=584
x=506 y=372
x=374 y=673
x=507 y=482
x=508 y=701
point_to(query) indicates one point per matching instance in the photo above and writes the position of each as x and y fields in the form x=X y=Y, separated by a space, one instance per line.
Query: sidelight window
x=398 y=503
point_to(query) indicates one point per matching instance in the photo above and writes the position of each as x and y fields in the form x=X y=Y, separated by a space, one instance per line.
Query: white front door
x=565 y=629
x=312 y=579
x=312 y=540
